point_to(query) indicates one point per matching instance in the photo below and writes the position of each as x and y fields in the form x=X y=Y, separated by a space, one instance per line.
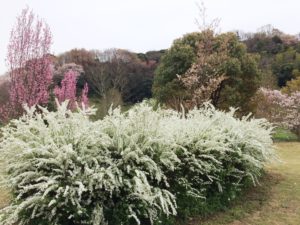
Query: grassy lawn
x=275 y=202
x=282 y=134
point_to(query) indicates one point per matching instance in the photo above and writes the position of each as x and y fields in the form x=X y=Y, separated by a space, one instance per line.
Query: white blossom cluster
x=63 y=168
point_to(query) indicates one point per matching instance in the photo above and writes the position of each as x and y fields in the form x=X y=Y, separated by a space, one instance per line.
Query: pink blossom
x=84 y=95
x=282 y=109
x=67 y=90
x=29 y=64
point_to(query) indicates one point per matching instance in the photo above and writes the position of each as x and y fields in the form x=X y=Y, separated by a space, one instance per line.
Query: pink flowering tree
x=282 y=109
x=29 y=63
x=84 y=96
x=67 y=91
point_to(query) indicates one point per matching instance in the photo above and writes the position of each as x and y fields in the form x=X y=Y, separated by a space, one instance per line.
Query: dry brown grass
x=4 y=194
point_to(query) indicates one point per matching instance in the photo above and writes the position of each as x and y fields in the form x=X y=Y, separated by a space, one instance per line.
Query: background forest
x=251 y=64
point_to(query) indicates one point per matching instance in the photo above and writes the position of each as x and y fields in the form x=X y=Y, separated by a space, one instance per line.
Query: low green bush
x=144 y=166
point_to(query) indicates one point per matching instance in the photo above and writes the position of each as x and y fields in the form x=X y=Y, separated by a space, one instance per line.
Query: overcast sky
x=141 y=25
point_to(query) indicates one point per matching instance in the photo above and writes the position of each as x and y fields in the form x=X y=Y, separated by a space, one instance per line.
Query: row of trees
x=226 y=69
x=279 y=54
x=37 y=77
x=207 y=66
x=231 y=69
x=128 y=73
x=278 y=99
x=31 y=70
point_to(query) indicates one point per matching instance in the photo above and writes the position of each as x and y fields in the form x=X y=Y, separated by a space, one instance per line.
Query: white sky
x=141 y=25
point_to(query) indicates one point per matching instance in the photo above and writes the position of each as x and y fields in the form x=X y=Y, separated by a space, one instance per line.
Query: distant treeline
x=132 y=74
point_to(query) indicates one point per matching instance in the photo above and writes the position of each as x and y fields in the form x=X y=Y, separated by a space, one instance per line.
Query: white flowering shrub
x=129 y=168
x=219 y=154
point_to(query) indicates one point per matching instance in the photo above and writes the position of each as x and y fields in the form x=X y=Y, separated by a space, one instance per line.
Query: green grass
x=282 y=134
x=103 y=106
x=275 y=202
